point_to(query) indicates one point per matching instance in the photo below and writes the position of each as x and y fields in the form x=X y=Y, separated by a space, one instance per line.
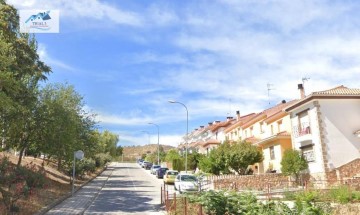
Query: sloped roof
x=268 y=113
x=339 y=92
x=211 y=142
x=239 y=122
x=280 y=135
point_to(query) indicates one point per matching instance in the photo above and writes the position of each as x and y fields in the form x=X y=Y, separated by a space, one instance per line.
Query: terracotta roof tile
x=340 y=90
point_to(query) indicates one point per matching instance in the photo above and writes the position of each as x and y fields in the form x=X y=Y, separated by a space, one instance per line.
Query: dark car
x=148 y=165
x=161 y=172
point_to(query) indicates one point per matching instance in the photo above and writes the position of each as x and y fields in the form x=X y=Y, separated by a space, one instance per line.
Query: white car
x=186 y=183
x=154 y=168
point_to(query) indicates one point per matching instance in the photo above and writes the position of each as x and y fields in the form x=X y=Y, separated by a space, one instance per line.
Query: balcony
x=301 y=129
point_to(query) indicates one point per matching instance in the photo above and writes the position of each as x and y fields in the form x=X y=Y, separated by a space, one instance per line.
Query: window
x=272 y=153
x=262 y=127
x=308 y=153
x=251 y=131
x=279 y=125
x=272 y=129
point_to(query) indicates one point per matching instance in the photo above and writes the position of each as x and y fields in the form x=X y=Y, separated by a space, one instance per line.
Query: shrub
x=18 y=182
x=341 y=194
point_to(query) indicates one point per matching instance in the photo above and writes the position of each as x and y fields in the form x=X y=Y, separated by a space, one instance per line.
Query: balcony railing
x=301 y=129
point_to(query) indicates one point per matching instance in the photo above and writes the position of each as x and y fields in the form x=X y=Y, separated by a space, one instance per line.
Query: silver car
x=185 y=182
x=154 y=168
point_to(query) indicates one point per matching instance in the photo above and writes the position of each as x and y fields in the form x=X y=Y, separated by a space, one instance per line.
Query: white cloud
x=45 y=57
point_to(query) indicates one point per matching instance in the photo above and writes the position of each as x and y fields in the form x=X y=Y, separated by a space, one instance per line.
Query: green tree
x=65 y=126
x=21 y=70
x=216 y=162
x=171 y=155
x=292 y=163
x=119 y=150
x=242 y=154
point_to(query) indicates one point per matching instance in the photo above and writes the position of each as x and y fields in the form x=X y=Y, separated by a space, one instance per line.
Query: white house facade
x=324 y=126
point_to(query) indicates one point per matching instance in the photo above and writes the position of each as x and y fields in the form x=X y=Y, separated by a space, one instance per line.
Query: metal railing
x=301 y=129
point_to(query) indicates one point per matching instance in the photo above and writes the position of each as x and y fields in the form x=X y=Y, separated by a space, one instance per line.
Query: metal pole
x=187 y=131
x=158 y=157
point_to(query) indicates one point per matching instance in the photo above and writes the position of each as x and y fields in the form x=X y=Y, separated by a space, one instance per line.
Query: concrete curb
x=61 y=199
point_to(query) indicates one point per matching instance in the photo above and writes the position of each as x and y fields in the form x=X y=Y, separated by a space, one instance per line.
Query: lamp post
x=187 y=130
x=158 y=142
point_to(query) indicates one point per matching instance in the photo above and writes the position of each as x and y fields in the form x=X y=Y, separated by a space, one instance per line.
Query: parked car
x=186 y=183
x=140 y=161
x=154 y=168
x=169 y=177
x=161 y=172
x=148 y=165
x=144 y=163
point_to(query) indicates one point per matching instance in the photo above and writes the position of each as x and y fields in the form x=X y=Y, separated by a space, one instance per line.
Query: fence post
x=185 y=203
x=175 y=201
x=161 y=195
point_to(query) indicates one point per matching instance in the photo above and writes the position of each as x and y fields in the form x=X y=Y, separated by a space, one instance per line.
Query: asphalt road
x=129 y=190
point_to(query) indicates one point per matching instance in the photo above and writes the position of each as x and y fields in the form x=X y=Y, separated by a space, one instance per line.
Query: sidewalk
x=83 y=198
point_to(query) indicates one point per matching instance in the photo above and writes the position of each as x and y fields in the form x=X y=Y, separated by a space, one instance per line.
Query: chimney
x=238 y=115
x=217 y=121
x=210 y=123
x=302 y=91
x=201 y=126
x=229 y=118
x=283 y=101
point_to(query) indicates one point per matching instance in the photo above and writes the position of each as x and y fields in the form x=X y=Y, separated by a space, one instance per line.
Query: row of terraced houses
x=324 y=126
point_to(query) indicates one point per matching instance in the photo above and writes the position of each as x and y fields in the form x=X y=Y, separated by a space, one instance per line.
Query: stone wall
x=260 y=182
x=345 y=172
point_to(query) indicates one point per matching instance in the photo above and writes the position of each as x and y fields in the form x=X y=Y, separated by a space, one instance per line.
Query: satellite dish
x=79 y=155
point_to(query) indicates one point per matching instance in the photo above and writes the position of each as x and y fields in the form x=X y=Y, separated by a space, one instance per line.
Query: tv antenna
x=304 y=79
x=268 y=89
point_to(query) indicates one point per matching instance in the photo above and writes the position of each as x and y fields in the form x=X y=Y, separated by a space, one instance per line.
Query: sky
x=129 y=58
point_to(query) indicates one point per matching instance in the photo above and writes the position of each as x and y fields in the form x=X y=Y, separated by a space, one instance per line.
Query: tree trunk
x=21 y=155
x=59 y=163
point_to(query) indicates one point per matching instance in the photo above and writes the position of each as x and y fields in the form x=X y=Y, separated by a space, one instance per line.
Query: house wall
x=341 y=119
x=280 y=145
x=316 y=167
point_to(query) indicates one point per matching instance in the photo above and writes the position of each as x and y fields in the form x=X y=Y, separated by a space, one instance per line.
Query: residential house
x=325 y=127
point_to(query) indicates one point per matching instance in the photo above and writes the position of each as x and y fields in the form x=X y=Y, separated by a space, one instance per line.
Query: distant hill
x=134 y=152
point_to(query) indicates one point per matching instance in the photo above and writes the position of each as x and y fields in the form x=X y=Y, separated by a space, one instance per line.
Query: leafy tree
x=215 y=163
x=293 y=163
x=20 y=73
x=241 y=155
x=193 y=160
x=171 y=155
x=65 y=126
x=119 y=151
x=178 y=164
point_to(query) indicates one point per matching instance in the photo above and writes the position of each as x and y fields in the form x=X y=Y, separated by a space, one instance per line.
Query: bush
x=223 y=202
x=18 y=182
x=101 y=159
x=342 y=194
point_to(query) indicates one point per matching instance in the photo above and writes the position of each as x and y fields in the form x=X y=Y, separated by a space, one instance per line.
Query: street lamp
x=158 y=142
x=187 y=131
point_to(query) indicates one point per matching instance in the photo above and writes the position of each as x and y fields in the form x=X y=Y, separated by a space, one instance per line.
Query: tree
x=241 y=155
x=171 y=155
x=292 y=163
x=20 y=73
x=65 y=126
x=216 y=162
